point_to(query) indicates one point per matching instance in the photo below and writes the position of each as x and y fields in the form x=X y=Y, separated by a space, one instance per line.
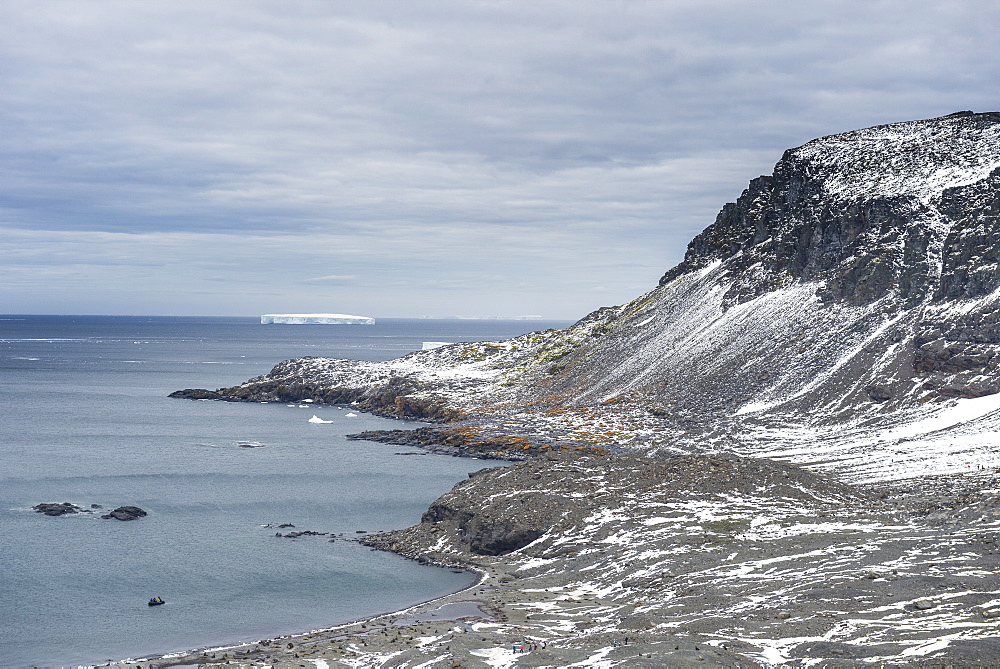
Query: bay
x=85 y=418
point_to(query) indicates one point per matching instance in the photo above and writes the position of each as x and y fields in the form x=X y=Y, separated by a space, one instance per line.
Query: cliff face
x=903 y=210
x=851 y=292
x=860 y=277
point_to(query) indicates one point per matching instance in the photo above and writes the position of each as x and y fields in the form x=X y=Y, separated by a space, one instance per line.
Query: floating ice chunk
x=321 y=319
x=317 y=419
x=350 y=415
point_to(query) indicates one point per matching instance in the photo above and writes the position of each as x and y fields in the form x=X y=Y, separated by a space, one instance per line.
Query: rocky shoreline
x=701 y=560
x=473 y=442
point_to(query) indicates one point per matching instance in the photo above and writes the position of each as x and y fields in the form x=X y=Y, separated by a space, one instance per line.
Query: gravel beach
x=708 y=560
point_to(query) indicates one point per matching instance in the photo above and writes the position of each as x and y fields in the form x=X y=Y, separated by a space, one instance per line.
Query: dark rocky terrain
x=784 y=453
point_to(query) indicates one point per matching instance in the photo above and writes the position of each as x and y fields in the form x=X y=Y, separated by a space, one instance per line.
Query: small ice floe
x=350 y=415
x=317 y=419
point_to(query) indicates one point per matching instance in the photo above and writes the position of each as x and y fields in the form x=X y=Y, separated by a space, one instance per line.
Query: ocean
x=85 y=418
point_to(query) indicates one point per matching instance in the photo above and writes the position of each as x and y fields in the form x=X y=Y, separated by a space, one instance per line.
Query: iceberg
x=317 y=419
x=322 y=319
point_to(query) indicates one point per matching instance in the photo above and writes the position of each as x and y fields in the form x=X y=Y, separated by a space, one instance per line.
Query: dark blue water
x=85 y=418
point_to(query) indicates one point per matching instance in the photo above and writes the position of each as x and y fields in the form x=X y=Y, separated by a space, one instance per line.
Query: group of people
x=156 y=600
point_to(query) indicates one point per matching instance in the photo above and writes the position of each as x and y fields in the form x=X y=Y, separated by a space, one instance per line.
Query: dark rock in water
x=125 y=513
x=303 y=533
x=56 y=509
x=196 y=394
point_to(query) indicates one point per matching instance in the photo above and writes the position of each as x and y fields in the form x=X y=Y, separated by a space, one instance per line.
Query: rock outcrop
x=125 y=513
x=59 y=509
x=67 y=508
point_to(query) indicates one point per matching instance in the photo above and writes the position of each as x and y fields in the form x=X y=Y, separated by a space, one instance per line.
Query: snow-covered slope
x=844 y=311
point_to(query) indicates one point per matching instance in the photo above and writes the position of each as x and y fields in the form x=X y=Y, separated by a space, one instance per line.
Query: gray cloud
x=540 y=157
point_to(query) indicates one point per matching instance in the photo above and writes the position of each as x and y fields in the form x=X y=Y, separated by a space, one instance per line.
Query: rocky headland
x=782 y=454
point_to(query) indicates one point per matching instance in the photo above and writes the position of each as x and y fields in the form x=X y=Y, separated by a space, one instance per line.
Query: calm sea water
x=85 y=418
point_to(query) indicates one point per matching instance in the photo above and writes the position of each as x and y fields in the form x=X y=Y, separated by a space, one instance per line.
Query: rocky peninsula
x=785 y=453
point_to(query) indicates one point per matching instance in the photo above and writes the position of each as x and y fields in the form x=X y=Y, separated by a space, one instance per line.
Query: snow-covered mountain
x=842 y=312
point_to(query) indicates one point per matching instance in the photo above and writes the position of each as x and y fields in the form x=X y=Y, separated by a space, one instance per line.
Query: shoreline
x=186 y=657
x=199 y=655
x=854 y=561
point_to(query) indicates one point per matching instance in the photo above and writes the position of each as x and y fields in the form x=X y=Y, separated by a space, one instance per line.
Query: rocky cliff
x=844 y=305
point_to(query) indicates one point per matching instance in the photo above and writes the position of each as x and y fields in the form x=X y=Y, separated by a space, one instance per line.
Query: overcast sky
x=410 y=158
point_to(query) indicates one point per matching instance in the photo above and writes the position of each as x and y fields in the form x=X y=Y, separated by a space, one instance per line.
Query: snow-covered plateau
x=783 y=454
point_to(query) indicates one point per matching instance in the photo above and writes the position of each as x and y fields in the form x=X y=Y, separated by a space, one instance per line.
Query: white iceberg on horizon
x=321 y=319
x=317 y=419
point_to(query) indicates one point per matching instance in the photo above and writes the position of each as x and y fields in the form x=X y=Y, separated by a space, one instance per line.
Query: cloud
x=332 y=279
x=432 y=144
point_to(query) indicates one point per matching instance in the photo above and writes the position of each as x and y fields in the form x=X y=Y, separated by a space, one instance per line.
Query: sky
x=407 y=158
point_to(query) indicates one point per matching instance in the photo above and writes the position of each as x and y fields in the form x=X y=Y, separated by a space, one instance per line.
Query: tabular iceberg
x=323 y=319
